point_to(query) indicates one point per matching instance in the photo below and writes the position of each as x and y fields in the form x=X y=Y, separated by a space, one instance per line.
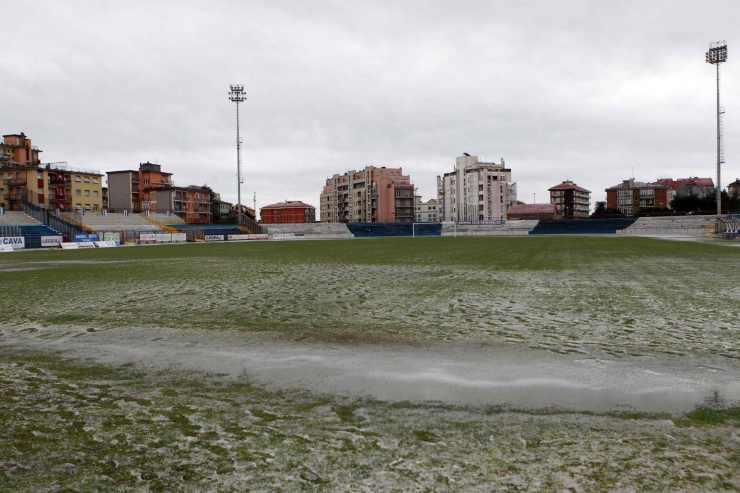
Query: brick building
x=685 y=187
x=630 y=196
x=376 y=194
x=570 y=200
x=532 y=211
x=734 y=188
x=288 y=212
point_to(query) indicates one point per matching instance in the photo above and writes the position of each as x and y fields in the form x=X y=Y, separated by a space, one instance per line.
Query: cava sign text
x=14 y=242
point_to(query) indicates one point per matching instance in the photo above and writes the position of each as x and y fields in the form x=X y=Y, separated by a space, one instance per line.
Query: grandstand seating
x=166 y=219
x=20 y=224
x=508 y=228
x=12 y=218
x=676 y=226
x=363 y=230
x=317 y=231
x=581 y=226
x=112 y=222
x=33 y=233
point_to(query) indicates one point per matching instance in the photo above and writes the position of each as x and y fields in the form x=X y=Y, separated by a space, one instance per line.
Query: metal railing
x=45 y=216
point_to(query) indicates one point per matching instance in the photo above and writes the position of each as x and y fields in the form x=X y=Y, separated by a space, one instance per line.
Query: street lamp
x=237 y=95
x=718 y=54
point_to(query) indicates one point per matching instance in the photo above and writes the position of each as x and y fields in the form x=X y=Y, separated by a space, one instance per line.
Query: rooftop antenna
x=237 y=95
x=718 y=54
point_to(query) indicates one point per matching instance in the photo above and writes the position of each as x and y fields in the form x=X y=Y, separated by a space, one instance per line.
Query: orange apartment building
x=19 y=159
x=192 y=203
x=133 y=189
x=288 y=212
x=151 y=189
x=24 y=179
x=372 y=195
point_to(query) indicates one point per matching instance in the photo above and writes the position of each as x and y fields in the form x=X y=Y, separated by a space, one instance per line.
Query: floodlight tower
x=237 y=95
x=718 y=54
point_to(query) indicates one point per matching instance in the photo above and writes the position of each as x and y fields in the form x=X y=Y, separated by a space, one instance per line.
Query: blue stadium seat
x=33 y=234
x=365 y=230
x=581 y=226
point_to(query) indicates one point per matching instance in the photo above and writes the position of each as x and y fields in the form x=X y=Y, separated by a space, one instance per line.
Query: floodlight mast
x=237 y=95
x=718 y=54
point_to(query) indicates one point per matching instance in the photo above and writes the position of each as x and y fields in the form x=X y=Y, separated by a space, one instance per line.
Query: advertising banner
x=14 y=242
x=90 y=237
x=51 y=241
x=155 y=237
x=214 y=237
x=106 y=244
x=112 y=236
x=70 y=246
x=179 y=237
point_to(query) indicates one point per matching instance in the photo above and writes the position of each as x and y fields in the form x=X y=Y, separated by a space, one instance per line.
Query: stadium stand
x=111 y=222
x=581 y=226
x=675 y=226
x=12 y=218
x=308 y=231
x=364 y=230
x=33 y=233
x=168 y=219
x=508 y=228
x=14 y=223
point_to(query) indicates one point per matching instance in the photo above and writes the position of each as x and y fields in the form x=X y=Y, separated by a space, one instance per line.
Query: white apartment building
x=426 y=212
x=475 y=191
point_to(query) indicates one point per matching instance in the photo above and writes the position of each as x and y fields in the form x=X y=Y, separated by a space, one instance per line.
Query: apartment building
x=288 y=212
x=376 y=194
x=685 y=187
x=630 y=196
x=426 y=212
x=570 y=200
x=133 y=189
x=18 y=150
x=18 y=161
x=734 y=188
x=192 y=203
x=475 y=191
x=539 y=212
x=51 y=188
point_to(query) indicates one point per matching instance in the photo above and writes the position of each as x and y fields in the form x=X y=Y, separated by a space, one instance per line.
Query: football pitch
x=127 y=368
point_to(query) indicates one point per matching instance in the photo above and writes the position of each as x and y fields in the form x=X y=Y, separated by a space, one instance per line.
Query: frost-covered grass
x=567 y=294
x=66 y=424
x=95 y=428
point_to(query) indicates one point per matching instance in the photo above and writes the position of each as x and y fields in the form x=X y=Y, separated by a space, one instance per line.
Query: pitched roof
x=288 y=204
x=691 y=181
x=568 y=185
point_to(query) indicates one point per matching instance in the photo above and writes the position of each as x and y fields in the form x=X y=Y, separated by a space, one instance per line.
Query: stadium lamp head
x=717 y=52
x=236 y=93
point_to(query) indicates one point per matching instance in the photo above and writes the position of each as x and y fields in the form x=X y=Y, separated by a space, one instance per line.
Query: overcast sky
x=581 y=90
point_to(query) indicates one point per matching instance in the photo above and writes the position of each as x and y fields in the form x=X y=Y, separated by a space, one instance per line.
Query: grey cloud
x=584 y=90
